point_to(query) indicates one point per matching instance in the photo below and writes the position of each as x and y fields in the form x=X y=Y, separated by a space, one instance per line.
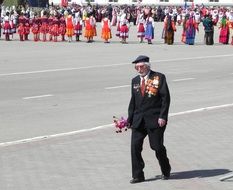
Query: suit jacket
x=149 y=107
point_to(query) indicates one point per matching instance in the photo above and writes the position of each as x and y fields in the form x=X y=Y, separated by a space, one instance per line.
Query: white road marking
x=111 y=65
x=59 y=70
x=114 y=87
x=184 y=79
x=193 y=58
x=201 y=109
x=40 y=96
x=40 y=138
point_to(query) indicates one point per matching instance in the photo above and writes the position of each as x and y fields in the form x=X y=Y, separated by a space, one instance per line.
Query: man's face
x=142 y=68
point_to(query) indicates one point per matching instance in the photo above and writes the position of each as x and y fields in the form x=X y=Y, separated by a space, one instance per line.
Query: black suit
x=143 y=114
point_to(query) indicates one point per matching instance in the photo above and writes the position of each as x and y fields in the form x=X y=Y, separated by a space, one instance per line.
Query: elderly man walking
x=148 y=115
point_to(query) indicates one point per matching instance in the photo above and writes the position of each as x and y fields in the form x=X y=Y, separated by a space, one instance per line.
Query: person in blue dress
x=149 y=32
x=191 y=27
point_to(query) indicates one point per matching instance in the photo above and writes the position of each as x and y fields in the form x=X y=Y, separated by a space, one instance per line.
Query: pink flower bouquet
x=120 y=124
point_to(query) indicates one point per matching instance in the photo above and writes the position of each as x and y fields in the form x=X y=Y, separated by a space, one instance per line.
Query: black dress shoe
x=165 y=177
x=137 y=180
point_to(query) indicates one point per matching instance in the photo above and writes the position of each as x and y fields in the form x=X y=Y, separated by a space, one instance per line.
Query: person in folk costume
x=191 y=27
x=209 y=29
x=13 y=22
x=69 y=27
x=106 y=29
x=36 y=27
x=26 y=28
x=7 y=26
x=141 y=27
x=230 y=24
x=124 y=28
x=44 y=26
x=50 y=26
x=224 y=31
x=183 y=35
x=118 y=23
x=21 y=28
x=78 y=26
x=62 y=27
x=149 y=33
x=88 y=29
x=93 y=23
x=55 y=28
x=169 y=30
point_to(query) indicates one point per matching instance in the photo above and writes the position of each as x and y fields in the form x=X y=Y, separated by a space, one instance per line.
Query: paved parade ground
x=57 y=101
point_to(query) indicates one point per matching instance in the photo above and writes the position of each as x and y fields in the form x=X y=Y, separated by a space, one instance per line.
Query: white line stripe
x=40 y=96
x=184 y=79
x=193 y=58
x=201 y=109
x=40 y=138
x=64 y=69
x=114 y=87
x=112 y=65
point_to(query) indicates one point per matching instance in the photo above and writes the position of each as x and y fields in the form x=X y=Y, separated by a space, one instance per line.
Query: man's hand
x=162 y=122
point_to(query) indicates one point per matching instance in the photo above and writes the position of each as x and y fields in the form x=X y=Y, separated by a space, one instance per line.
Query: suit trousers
x=209 y=38
x=156 y=143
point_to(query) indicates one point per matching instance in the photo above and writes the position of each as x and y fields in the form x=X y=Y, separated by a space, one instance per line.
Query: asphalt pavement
x=57 y=101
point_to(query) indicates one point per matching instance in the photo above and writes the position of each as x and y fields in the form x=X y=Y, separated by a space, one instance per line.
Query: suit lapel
x=152 y=74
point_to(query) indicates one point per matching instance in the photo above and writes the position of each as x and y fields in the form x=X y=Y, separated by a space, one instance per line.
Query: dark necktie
x=143 y=86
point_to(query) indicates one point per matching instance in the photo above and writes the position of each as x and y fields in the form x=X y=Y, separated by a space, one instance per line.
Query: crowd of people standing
x=63 y=23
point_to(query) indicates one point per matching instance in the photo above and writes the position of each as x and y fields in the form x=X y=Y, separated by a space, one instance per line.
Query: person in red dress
x=26 y=28
x=141 y=27
x=21 y=29
x=69 y=27
x=224 y=31
x=50 y=27
x=44 y=26
x=62 y=27
x=124 y=28
x=88 y=29
x=36 y=28
x=7 y=26
x=106 y=30
x=55 y=28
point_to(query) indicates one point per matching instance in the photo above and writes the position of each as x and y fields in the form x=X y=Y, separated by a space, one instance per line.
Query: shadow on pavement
x=193 y=174
x=199 y=173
